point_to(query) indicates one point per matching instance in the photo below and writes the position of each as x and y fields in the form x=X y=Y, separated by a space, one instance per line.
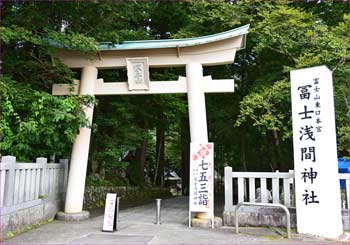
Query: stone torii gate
x=138 y=56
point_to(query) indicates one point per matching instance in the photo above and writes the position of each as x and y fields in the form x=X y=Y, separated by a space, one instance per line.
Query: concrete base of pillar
x=72 y=216
x=206 y=223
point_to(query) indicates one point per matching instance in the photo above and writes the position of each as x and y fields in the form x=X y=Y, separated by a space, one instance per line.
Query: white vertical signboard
x=109 y=220
x=202 y=178
x=317 y=188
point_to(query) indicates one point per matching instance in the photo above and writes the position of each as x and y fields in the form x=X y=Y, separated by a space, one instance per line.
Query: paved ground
x=137 y=226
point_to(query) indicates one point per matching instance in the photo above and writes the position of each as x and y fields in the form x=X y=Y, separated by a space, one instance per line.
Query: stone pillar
x=196 y=109
x=80 y=152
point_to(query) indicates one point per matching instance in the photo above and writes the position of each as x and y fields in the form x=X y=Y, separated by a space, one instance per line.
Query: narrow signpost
x=110 y=222
x=317 y=188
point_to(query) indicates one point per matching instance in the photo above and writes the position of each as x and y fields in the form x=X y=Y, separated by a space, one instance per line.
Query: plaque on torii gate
x=138 y=57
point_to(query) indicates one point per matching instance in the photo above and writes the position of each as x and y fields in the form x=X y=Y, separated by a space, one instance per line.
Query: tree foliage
x=35 y=123
x=289 y=37
x=251 y=128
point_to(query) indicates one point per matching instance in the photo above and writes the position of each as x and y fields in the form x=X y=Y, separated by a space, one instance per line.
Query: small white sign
x=138 y=73
x=317 y=188
x=109 y=220
x=202 y=177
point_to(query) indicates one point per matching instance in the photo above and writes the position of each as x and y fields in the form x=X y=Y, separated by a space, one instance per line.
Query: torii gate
x=138 y=56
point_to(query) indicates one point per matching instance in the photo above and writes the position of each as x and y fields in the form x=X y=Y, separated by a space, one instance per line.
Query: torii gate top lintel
x=138 y=56
x=208 y=50
x=174 y=43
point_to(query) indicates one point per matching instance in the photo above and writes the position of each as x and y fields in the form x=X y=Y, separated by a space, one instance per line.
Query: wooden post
x=251 y=189
x=291 y=182
x=37 y=183
x=2 y=186
x=43 y=182
x=228 y=189
x=15 y=186
x=22 y=185
x=241 y=189
x=263 y=189
x=286 y=192
x=32 y=184
x=10 y=183
x=275 y=188
x=65 y=174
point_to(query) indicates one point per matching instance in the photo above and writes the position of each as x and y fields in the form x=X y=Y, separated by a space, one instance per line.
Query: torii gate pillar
x=196 y=103
x=196 y=109
x=80 y=152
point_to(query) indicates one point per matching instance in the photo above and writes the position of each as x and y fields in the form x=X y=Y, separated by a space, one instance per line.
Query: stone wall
x=262 y=216
x=95 y=196
x=26 y=218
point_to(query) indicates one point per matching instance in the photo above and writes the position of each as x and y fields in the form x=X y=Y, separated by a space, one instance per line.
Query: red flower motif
x=203 y=152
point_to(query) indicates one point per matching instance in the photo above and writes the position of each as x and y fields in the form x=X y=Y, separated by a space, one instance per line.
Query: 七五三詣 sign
x=202 y=177
x=317 y=189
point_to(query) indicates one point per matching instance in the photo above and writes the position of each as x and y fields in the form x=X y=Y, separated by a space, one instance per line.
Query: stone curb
x=72 y=217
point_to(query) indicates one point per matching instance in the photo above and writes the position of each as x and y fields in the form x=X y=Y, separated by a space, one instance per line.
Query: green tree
x=288 y=37
x=251 y=128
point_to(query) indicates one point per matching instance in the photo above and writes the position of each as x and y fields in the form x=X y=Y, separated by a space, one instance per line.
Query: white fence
x=24 y=185
x=253 y=187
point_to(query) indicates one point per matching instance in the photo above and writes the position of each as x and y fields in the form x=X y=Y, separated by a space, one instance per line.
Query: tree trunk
x=160 y=158
x=93 y=166
x=243 y=151
x=141 y=160
x=185 y=155
x=93 y=163
x=275 y=150
x=281 y=166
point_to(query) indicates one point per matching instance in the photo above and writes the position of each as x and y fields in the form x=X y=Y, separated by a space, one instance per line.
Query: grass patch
x=11 y=234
